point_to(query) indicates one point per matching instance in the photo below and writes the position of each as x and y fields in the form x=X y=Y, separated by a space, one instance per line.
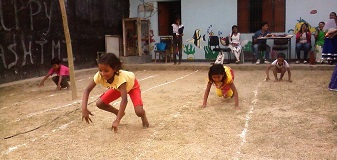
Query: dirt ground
x=277 y=120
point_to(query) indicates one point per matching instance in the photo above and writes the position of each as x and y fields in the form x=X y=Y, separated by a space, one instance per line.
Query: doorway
x=167 y=12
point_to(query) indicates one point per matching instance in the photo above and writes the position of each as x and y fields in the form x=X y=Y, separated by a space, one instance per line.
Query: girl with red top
x=303 y=42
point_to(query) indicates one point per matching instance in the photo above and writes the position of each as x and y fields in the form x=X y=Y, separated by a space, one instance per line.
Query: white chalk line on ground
x=60 y=128
x=41 y=112
x=67 y=105
x=50 y=109
x=169 y=82
x=33 y=90
x=248 y=117
x=150 y=140
x=51 y=95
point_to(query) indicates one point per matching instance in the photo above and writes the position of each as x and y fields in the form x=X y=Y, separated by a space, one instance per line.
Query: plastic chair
x=214 y=42
x=167 y=52
x=301 y=50
x=280 y=45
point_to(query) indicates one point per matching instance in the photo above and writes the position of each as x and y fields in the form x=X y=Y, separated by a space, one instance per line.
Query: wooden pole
x=69 y=49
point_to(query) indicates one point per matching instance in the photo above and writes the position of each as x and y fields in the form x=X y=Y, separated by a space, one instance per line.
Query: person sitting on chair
x=258 y=42
x=234 y=43
x=303 y=42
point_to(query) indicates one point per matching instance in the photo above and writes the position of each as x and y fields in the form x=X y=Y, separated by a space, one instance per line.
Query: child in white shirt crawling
x=279 y=66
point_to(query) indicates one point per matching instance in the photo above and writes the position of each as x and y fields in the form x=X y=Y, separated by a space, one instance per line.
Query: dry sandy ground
x=277 y=120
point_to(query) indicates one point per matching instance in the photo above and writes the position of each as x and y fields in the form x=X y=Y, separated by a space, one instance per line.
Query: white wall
x=222 y=14
x=296 y=9
x=201 y=14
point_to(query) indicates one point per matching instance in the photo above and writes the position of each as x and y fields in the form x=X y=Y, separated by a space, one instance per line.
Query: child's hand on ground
x=41 y=85
x=58 y=87
x=85 y=115
x=115 y=125
x=289 y=80
x=267 y=79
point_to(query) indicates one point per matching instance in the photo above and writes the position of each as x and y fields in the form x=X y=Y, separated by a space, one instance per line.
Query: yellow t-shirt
x=123 y=77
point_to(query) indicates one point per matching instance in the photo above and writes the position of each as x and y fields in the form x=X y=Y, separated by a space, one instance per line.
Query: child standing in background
x=222 y=77
x=119 y=83
x=319 y=42
x=62 y=77
x=177 y=33
x=279 y=66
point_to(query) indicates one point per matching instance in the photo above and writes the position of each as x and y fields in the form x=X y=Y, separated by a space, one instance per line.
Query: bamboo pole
x=69 y=49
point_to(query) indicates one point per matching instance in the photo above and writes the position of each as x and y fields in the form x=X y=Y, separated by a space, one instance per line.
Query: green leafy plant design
x=189 y=49
x=209 y=54
x=248 y=47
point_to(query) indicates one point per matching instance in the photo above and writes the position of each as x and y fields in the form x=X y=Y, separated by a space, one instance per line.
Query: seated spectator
x=303 y=43
x=234 y=43
x=257 y=42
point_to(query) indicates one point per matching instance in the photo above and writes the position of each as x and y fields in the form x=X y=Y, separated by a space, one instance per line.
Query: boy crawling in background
x=62 y=74
x=279 y=66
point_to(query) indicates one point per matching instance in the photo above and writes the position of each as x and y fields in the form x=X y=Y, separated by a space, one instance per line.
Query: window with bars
x=251 y=13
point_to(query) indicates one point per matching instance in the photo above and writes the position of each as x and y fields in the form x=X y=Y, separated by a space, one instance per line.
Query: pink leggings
x=113 y=94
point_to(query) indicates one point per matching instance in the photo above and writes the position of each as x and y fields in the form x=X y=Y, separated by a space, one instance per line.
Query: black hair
x=281 y=55
x=263 y=23
x=216 y=69
x=234 y=26
x=334 y=13
x=306 y=24
x=112 y=60
x=322 y=22
x=176 y=18
x=55 y=61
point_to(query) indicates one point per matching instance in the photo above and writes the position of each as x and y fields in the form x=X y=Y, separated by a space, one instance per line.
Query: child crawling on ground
x=119 y=83
x=279 y=66
x=222 y=77
x=62 y=75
